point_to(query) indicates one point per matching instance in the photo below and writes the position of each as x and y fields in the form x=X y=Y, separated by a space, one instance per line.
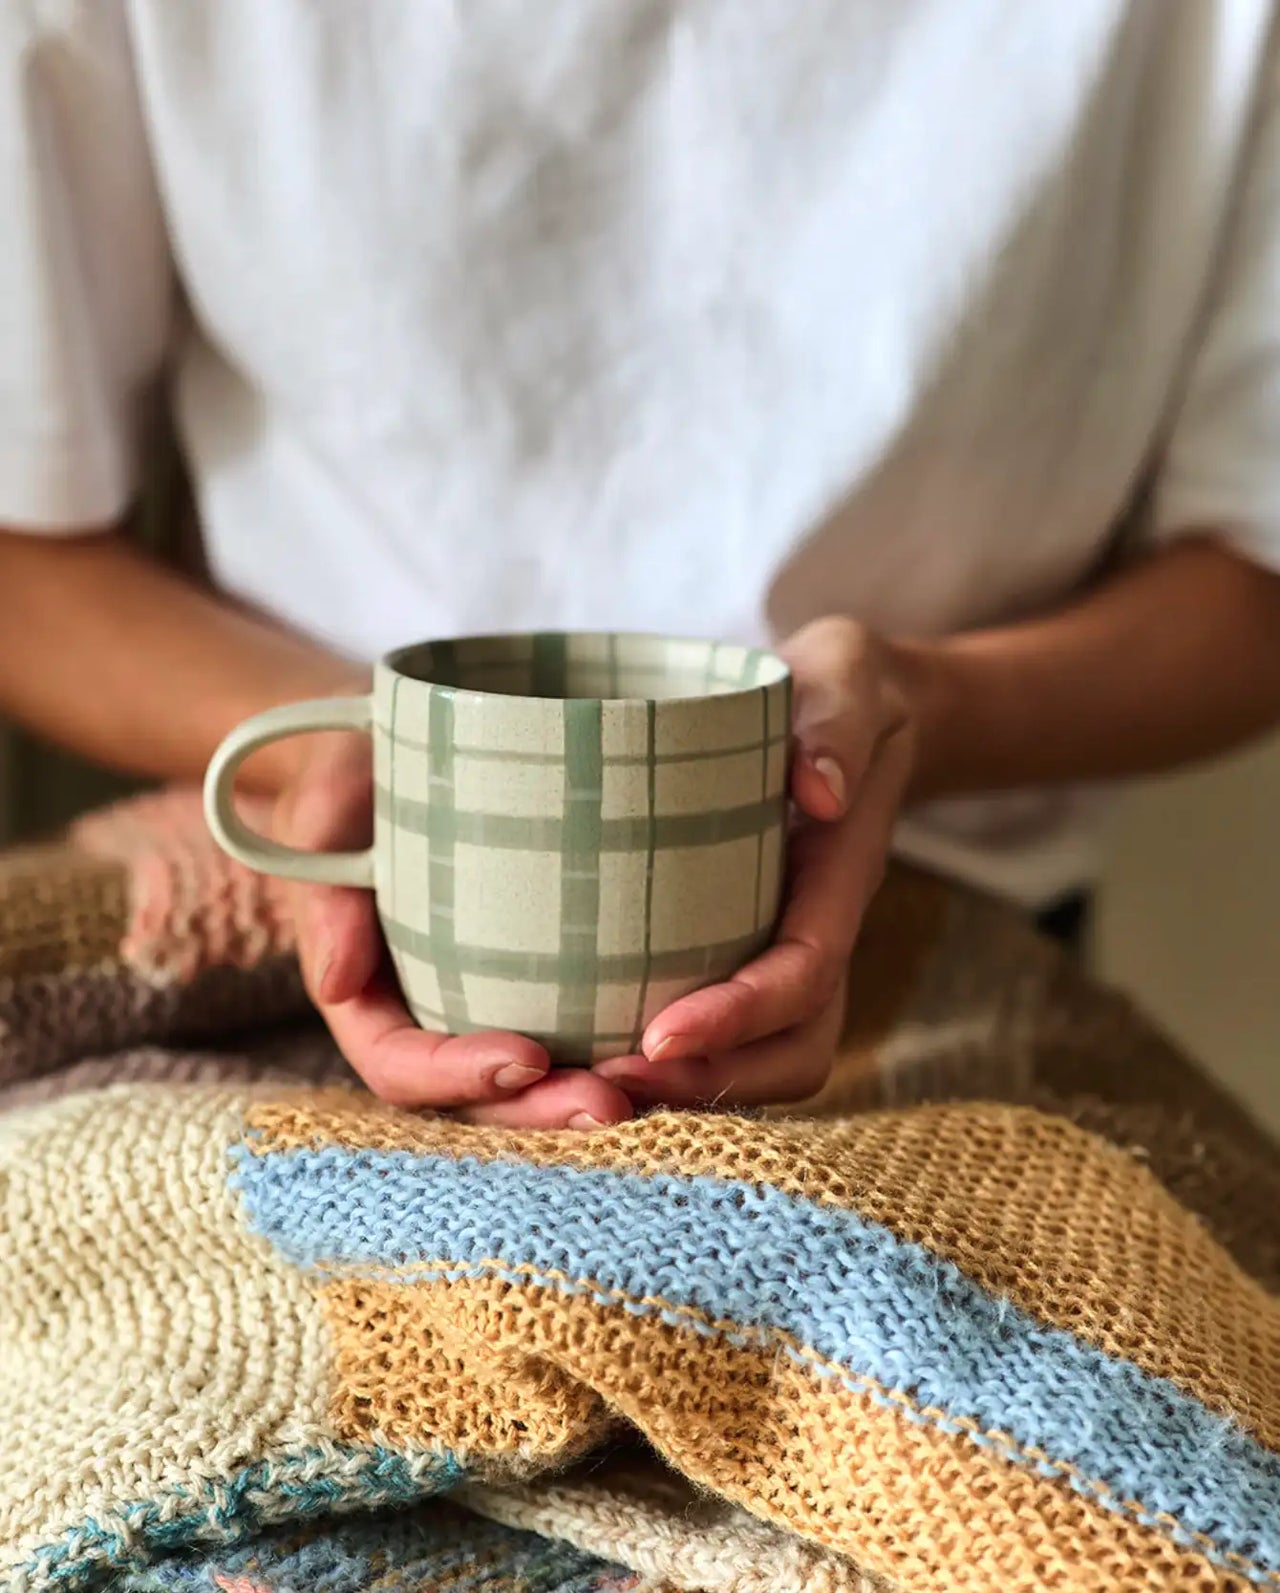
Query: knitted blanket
x=998 y=1310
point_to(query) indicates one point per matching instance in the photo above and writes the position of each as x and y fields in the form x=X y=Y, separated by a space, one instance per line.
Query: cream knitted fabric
x=648 y=1518
x=174 y=1346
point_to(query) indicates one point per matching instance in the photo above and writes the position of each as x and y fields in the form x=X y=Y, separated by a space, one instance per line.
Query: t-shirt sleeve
x=85 y=277
x=1220 y=471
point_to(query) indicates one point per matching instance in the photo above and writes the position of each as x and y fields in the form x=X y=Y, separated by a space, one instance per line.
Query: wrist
x=934 y=689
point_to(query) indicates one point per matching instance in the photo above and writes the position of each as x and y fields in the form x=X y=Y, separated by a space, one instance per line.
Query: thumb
x=833 y=731
x=329 y=806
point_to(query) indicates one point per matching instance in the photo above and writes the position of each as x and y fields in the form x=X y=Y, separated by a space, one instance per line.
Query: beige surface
x=1190 y=916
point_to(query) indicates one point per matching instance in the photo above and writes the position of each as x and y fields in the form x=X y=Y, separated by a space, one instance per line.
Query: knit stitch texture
x=999 y=1309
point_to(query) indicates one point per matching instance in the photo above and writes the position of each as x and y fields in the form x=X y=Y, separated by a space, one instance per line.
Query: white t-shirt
x=691 y=315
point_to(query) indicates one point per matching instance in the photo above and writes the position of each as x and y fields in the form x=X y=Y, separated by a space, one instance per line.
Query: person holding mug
x=933 y=345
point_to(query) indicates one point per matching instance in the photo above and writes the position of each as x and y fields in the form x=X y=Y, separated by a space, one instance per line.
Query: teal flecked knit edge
x=424 y=1550
x=296 y=1487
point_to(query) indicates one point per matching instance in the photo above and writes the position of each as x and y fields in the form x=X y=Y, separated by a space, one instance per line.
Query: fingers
x=819 y=787
x=339 y=942
x=832 y=732
x=789 y=984
x=408 y=1066
x=788 y=1067
x=331 y=807
x=846 y=703
x=499 y=1078
x=567 y=1098
x=851 y=767
x=835 y=870
x=494 y=1078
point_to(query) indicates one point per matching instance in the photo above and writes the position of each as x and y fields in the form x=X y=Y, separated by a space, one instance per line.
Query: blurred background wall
x=1190 y=916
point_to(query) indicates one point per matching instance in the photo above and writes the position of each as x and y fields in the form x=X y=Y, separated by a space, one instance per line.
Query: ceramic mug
x=570 y=831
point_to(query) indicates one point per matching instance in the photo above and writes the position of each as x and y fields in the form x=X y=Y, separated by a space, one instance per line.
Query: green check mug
x=570 y=831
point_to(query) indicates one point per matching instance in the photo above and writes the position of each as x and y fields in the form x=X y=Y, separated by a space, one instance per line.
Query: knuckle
x=845 y=632
x=382 y=1071
x=389 y=1089
x=804 y=982
x=821 y=975
x=597 y=1098
x=840 y=640
x=732 y=1001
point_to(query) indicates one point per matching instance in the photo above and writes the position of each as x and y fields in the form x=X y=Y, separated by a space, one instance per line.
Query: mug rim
x=776 y=671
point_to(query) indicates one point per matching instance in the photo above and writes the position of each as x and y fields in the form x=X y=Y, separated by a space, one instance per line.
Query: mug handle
x=258 y=852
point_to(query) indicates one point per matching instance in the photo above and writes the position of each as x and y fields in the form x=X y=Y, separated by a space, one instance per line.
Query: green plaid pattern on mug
x=576 y=830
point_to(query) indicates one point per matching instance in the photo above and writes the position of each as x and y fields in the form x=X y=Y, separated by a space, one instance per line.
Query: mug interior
x=612 y=666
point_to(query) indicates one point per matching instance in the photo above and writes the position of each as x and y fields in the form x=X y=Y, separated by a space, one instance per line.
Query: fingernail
x=515 y=1076
x=585 y=1122
x=833 y=774
x=674 y=1047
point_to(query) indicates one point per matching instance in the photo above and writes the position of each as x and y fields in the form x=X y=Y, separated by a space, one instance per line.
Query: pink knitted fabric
x=137 y=930
x=191 y=907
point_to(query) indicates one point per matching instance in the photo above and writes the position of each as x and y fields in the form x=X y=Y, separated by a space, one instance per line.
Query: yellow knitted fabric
x=1037 y=1211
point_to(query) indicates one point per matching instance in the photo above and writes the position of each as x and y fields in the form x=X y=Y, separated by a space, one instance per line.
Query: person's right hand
x=326 y=804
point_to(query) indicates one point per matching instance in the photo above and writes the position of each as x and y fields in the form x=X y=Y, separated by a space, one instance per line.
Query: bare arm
x=1175 y=659
x=111 y=654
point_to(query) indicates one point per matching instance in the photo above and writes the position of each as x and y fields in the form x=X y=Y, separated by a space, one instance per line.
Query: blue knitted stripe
x=293 y=1487
x=845 y=1291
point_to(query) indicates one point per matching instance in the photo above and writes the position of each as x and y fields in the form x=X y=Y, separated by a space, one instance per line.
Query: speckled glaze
x=571 y=831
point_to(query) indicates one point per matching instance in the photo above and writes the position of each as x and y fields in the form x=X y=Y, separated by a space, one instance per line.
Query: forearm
x=1172 y=660
x=113 y=655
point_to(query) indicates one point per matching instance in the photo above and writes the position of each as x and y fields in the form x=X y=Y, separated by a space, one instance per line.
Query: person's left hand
x=769 y=1034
